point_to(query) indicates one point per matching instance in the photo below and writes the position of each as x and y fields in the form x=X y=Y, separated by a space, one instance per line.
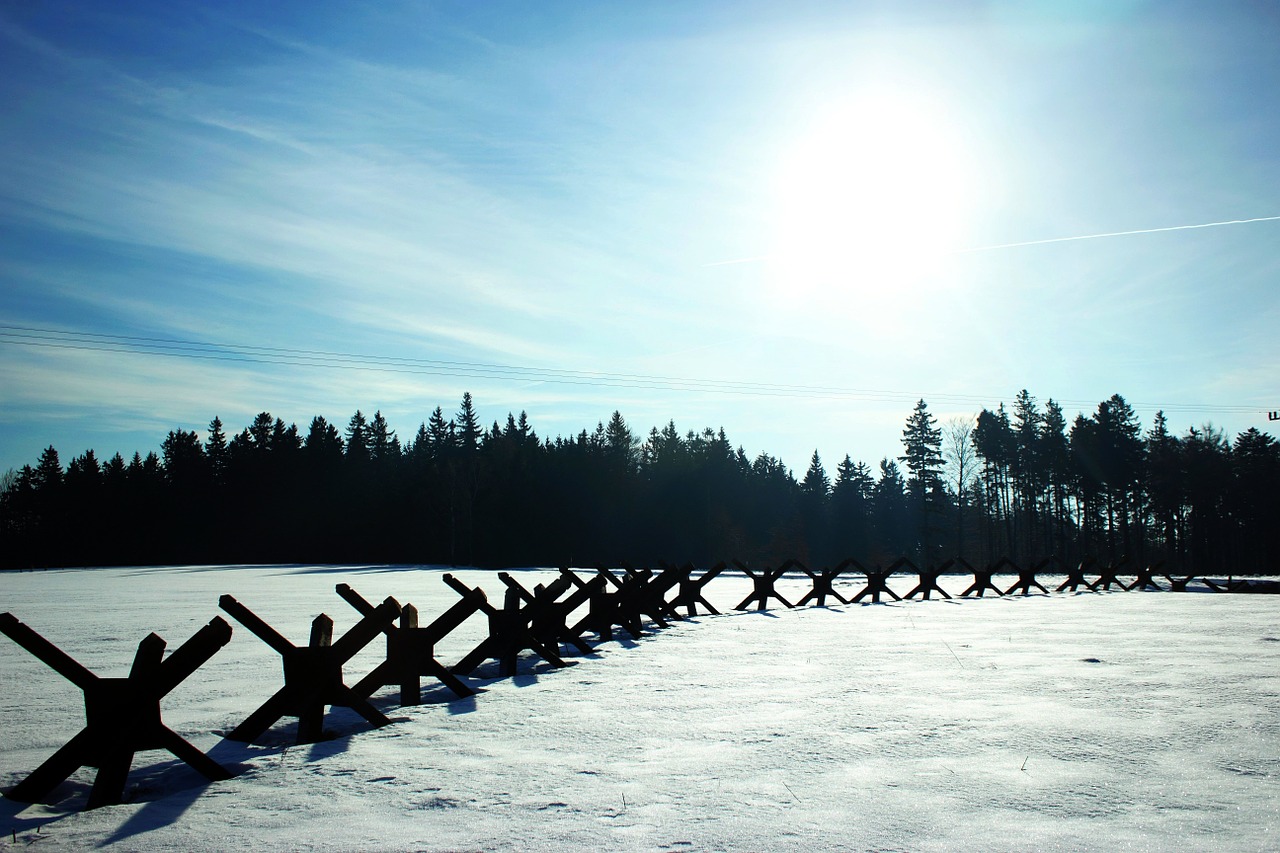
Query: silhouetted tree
x=851 y=502
x=993 y=439
x=815 y=490
x=1054 y=459
x=215 y=451
x=922 y=445
x=1254 y=499
x=1165 y=481
x=961 y=461
x=893 y=519
x=1206 y=463
x=504 y=496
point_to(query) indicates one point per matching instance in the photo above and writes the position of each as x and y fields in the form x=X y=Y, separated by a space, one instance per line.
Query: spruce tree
x=215 y=451
x=358 y=438
x=468 y=425
x=922 y=444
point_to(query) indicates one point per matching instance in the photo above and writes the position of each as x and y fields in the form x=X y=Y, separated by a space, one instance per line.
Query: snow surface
x=1107 y=721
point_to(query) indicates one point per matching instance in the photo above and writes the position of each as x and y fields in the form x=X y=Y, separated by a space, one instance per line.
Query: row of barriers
x=123 y=717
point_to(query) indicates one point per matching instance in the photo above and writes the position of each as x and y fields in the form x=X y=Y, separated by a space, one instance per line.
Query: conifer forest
x=1019 y=481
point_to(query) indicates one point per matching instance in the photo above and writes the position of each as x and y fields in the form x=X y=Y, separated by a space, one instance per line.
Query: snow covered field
x=1109 y=721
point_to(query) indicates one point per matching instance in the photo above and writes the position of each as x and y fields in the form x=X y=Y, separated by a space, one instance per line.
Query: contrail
x=1050 y=240
x=1116 y=234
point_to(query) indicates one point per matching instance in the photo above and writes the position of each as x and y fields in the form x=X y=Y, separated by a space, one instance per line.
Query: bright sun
x=868 y=201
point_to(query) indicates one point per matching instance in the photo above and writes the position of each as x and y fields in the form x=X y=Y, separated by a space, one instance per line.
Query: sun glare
x=868 y=201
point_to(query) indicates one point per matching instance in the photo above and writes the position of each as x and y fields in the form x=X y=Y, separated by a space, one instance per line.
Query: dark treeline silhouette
x=1023 y=483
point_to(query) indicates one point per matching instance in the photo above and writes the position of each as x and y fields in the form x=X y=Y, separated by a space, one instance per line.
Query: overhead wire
x=62 y=339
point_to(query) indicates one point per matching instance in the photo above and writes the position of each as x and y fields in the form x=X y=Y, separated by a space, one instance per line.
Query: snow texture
x=1090 y=721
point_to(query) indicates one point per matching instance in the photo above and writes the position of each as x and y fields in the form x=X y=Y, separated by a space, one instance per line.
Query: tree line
x=1019 y=482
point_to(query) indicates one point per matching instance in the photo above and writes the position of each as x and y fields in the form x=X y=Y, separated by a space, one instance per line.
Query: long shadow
x=174 y=792
x=166 y=790
x=70 y=795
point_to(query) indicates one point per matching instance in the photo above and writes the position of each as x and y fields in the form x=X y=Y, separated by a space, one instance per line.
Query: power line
x=58 y=339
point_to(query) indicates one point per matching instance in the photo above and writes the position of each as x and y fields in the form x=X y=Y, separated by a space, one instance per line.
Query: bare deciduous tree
x=961 y=465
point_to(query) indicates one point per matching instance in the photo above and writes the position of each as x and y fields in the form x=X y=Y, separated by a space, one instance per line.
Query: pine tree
x=1119 y=458
x=1027 y=475
x=358 y=438
x=922 y=443
x=816 y=484
x=1055 y=461
x=1207 y=466
x=892 y=516
x=184 y=459
x=1254 y=500
x=442 y=435
x=383 y=444
x=851 y=497
x=323 y=443
x=1164 y=484
x=468 y=425
x=48 y=472
x=215 y=450
x=620 y=444
x=261 y=430
x=994 y=440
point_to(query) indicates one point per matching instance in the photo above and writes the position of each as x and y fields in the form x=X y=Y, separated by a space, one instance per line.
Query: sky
x=791 y=222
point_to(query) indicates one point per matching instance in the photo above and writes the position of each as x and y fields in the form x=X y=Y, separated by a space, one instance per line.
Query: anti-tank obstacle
x=981 y=580
x=1026 y=577
x=550 y=607
x=122 y=715
x=823 y=584
x=928 y=579
x=763 y=586
x=312 y=673
x=877 y=582
x=411 y=649
x=1075 y=576
x=1109 y=577
x=509 y=634
x=1145 y=579
x=690 y=589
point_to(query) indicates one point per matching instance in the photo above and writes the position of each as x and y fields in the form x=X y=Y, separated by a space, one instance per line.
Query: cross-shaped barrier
x=411 y=650
x=1146 y=578
x=762 y=586
x=689 y=591
x=1026 y=577
x=549 y=613
x=981 y=580
x=122 y=715
x=1075 y=576
x=1108 y=577
x=823 y=584
x=509 y=635
x=928 y=578
x=877 y=583
x=312 y=673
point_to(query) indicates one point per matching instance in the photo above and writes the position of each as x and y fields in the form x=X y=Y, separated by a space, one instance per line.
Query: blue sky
x=554 y=189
